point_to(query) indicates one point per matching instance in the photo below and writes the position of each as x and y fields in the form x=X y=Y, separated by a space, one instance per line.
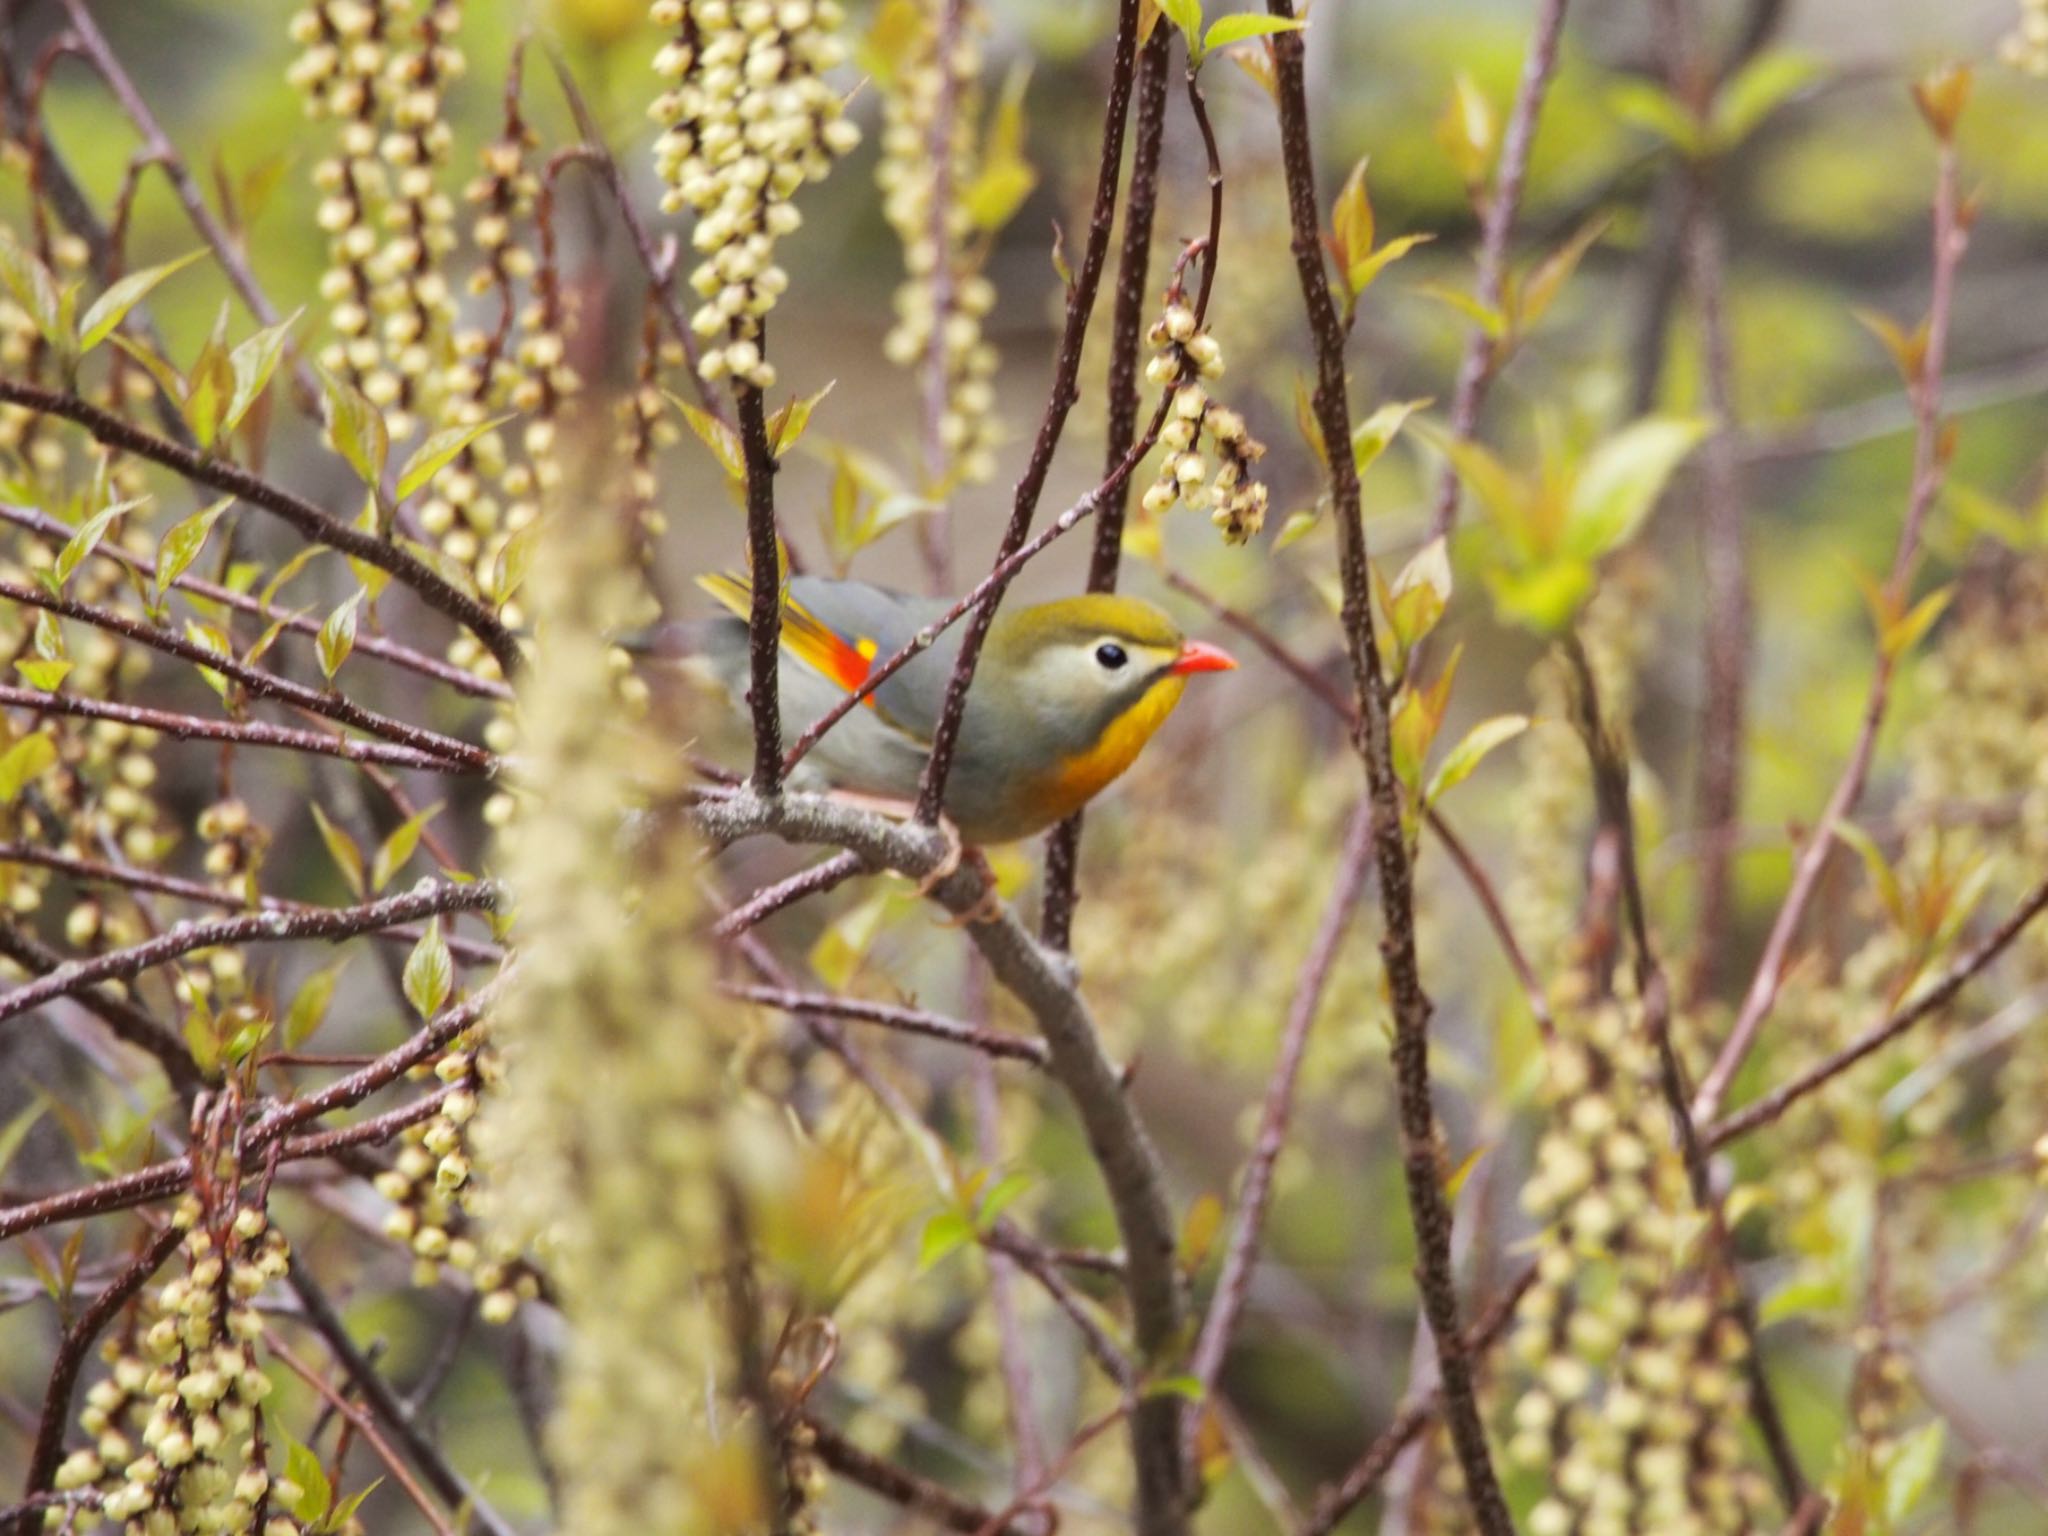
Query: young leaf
x=181 y=545
x=34 y=289
x=1754 y=92
x=429 y=973
x=1908 y=349
x=1905 y=632
x=434 y=455
x=348 y=858
x=1468 y=754
x=1489 y=320
x=357 y=430
x=989 y=1209
x=168 y=379
x=23 y=763
x=1351 y=221
x=1360 y=274
x=309 y=1007
x=85 y=541
x=111 y=307
x=1942 y=94
x=44 y=674
x=1198 y=1231
x=17 y=1129
x=303 y=1470
x=1500 y=491
x=1187 y=15
x=1225 y=30
x=1621 y=480
x=1371 y=437
x=1006 y=177
x=1911 y=1467
x=1547 y=278
x=944 y=1234
x=1647 y=105
x=398 y=847
x=252 y=363
x=723 y=442
x=337 y=636
x=209 y=384
x=1468 y=131
x=1419 y=595
x=786 y=426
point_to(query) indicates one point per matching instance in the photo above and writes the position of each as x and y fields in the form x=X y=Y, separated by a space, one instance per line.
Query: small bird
x=1065 y=695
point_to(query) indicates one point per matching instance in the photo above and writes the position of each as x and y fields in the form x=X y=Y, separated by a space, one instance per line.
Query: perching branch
x=1429 y=1210
x=909 y=1021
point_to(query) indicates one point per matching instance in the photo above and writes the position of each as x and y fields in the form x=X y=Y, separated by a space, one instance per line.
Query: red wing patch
x=804 y=635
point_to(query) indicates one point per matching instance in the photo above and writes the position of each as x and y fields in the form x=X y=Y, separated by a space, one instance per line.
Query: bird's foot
x=988 y=906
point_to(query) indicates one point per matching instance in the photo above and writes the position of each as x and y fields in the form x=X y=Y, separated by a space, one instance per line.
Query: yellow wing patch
x=804 y=636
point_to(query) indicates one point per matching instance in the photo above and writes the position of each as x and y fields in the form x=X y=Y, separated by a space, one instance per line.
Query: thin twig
x=1429 y=1210
x=128 y=1022
x=311 y=522
x=1951 y=235
x=764 y=621
x=765 y=903
x=918 y=1495
x=912 y=1021
x=1497 y=227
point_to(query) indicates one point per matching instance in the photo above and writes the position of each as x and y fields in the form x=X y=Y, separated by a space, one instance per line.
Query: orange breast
x=1074 y=781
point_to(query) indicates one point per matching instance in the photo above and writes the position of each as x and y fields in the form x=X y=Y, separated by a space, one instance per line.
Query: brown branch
x=1951 y=236
x=764 y=621
x=1233 y=1285
x=1497 y=227
x=325 y=923
x=381 y=1401
x=157 y=883
x=910 y=1021
x=918 y=1495
x=128 y=1022
x=251 y=733
x=71 y=1355
x=1338 y=1500
x=332 y=705
x=386 y=650
x=311 y=522
x=1031 y=485
x=1013 y=1350
x=1429 y=1210
x=1933 y=1000
x=1005 y=1241
x=765 y=903
x=1127 y=327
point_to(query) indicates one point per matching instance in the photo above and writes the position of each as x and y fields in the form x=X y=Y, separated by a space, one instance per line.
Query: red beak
x=1199 y=656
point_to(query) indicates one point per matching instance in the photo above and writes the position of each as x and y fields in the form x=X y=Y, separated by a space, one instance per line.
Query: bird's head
x=1089 y=679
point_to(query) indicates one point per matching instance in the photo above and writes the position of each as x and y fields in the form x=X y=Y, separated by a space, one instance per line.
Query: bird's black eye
x=1111 y=655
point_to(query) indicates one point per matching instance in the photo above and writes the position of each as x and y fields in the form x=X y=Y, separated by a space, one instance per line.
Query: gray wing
x=912 y=697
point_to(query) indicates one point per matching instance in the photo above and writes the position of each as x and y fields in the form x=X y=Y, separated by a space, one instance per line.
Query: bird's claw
x=988 y=906
x=949 y=861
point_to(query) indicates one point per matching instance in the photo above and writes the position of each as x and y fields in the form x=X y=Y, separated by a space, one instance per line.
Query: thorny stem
x=764 y=621
x=1429 y=1210
x=1476 y=368
x=71 y=1355
x=315 y=923
x=1233 y=1285
x=310 y=521
x=254 y=733
x=1931 y=1001
x=1065 y=391
x=1951 y=236
x=1127 y=327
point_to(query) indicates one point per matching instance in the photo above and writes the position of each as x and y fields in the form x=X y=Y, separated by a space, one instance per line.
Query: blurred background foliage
x=1203 y=876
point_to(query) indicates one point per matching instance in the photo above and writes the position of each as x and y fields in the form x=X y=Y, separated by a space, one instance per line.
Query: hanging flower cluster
x=1636 y=1392
x=1184 y=353
x=945 y=297
x=189 y=1372
x=2025 y=48
x=747 y=119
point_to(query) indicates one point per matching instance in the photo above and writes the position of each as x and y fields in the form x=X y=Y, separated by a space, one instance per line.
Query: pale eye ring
x=1111 y=655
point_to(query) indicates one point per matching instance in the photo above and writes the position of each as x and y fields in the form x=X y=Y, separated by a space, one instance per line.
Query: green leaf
x=1882 y=875
x=714 y=434
x=1491 y=321
x=1418 y=596
x=302 y=1468
x=1501 y=493
x=434 y=455
x=1644 y=104
x=1351 y=219
x=1901 y=636
x=35 y=290
x=1986 y=514
x=168 y=379
x=1225 y=30
x=1001 y=1198
x=252 y=363
x=348 y=858
x=1912 y=1466
x=1005 y=177
x=16 y=1130
x=1187 y=15
x=1372 y=436
x=310 y=1004
x=786 y=426
x=337 y=636
x=515 y=562
x=1544 y=597
x=1754 y=92
x=202 y=1037
x=181 y=545
x=398 y=847
x=429 y=973
x=1468 y=754
x=1359 y=275
x=1803 y=1294
x=1456 y=1179
x=209 y=384
x=844 y=944
x=112 y=307
x=44 y=673
x=85 y=541
x=23 y=763
x=357 y=430
x=346 y=1509
x=945 y=1234
x=1534 y=295
x=1621 y=480
x=1182 y=1385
